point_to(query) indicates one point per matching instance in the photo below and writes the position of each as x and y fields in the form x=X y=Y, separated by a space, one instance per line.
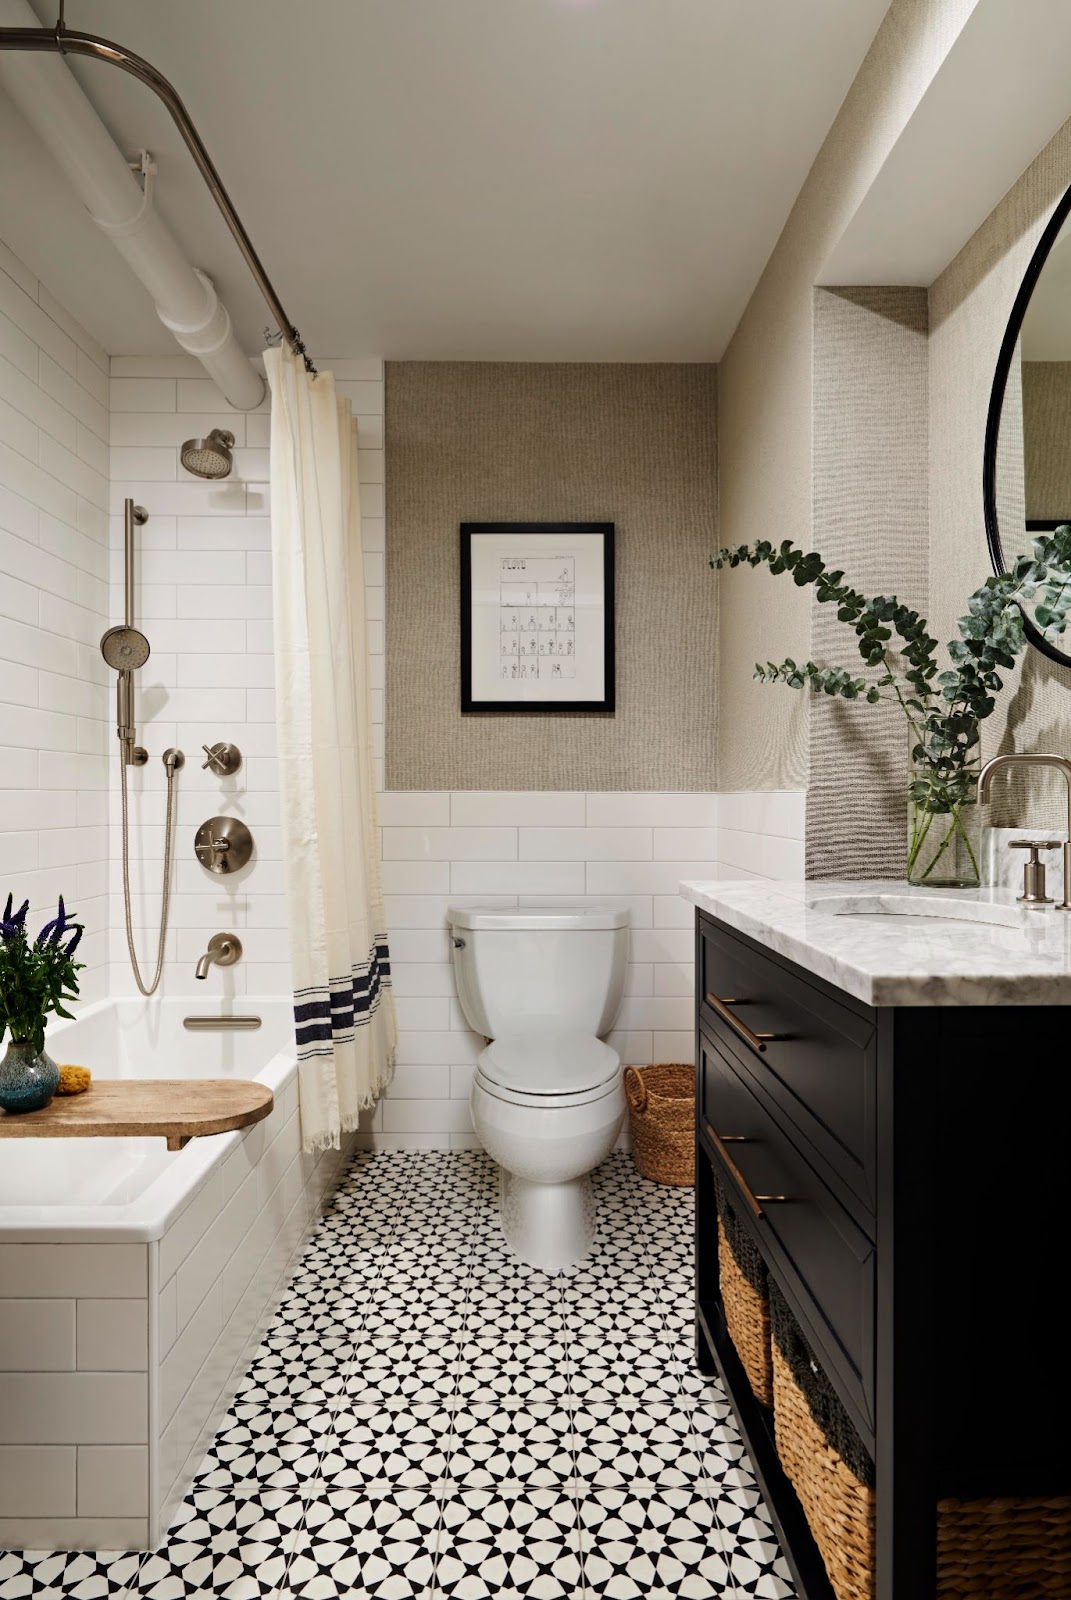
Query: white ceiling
x=574 y=180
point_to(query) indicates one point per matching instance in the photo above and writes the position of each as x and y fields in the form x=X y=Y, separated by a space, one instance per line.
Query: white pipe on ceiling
x=46 y=92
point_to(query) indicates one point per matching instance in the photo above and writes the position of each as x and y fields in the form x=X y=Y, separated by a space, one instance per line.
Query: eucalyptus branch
x=943 y=709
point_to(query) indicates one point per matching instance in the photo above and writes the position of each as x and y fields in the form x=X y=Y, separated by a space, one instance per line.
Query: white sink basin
x=924 y=910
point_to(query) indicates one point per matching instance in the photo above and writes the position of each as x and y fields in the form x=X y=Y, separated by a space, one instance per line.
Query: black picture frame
x=548 y=707
x=996 y=409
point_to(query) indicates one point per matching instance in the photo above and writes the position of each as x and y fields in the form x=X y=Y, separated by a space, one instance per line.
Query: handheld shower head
x=209 y=457
x=124 y=648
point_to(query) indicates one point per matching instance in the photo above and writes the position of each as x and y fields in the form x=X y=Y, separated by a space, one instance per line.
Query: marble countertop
x=897 y=946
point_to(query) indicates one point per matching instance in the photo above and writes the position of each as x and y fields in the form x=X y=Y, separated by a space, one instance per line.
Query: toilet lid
x=549 y=1063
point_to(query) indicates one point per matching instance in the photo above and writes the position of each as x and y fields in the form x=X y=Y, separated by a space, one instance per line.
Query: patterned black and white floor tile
x=428 y=1417
x=57 y=1575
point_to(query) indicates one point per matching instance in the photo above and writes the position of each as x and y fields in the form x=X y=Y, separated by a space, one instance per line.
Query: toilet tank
x=545 y=969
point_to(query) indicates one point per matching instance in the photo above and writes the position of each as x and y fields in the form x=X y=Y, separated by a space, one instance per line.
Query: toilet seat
x=548 y=1069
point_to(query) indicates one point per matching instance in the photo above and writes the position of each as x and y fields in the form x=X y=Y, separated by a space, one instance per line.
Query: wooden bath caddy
x=175 y=1109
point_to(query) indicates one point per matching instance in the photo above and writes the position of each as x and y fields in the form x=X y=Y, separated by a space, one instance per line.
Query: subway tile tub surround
x=54 y=706
x=427 y=1417
x=543 y=847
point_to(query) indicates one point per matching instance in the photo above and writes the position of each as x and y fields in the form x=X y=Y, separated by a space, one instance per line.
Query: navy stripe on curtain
x=330 y=1014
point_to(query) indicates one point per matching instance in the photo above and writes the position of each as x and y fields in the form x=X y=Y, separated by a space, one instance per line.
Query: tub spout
x=224 y=949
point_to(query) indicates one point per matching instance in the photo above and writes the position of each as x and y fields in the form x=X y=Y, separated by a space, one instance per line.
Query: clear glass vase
x=944 y=830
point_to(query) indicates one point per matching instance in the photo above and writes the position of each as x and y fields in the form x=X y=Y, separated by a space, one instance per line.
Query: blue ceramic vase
x=28 y=1078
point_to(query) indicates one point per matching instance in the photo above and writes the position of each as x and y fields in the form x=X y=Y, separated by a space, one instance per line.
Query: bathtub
x=134 y=1281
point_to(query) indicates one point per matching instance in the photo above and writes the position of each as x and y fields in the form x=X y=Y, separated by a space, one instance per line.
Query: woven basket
x=745 y=1297
x=994 y=1549
x=1004 y=1549
x=661 y=1114
x=747 y=1317
x=823 y=1459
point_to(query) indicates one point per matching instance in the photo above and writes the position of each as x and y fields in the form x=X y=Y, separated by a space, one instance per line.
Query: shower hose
x=165 y=900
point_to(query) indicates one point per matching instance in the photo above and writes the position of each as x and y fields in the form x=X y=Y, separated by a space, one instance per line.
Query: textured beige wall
x=632 y=445
x=870 y=519
x=1047 y=436
x=969 y=307
x=765 y=396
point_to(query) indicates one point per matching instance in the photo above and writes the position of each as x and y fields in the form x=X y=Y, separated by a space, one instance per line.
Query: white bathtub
x=133 y=1280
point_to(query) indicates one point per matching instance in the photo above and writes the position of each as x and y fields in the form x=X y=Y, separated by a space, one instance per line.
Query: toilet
x=544 y=985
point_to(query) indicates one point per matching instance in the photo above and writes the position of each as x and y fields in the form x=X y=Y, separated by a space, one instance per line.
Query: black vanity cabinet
x=918 y=1164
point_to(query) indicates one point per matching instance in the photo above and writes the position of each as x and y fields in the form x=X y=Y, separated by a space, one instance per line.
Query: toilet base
x=548 y=1225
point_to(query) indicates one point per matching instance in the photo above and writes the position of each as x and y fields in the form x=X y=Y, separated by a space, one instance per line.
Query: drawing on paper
x=537 y=617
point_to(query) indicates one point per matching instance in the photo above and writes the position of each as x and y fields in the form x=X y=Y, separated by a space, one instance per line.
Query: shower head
x=209 y=457
x=124 y=648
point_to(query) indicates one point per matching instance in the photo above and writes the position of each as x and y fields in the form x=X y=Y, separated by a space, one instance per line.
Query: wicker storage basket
x=745 y=1297
x=992 y=1549
x=823 y=1458
x=661 y=1114
x=1004 y=1549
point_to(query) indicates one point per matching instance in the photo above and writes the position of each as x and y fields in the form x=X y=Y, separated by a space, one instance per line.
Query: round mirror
x=1026 y=473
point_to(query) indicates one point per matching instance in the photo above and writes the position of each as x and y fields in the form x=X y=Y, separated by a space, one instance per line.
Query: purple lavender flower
x=12 y=926
x=53 y=931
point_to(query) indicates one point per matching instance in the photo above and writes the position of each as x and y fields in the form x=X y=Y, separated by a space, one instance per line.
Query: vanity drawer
x=825 y=1262
x=819 y=1068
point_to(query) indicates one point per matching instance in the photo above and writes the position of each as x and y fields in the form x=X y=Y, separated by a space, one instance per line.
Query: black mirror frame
x=996 y=408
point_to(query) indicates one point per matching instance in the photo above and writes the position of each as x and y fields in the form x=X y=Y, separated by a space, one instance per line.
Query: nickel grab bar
x=220 y=1024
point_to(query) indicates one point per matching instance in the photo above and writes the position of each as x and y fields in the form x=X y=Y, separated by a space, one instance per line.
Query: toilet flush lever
x=1034 y=891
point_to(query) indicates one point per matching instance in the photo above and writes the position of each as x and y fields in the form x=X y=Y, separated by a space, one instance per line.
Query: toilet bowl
x=547 y=1100
x=549 y=1139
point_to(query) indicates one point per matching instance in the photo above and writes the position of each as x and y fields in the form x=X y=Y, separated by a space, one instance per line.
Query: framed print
x=537 y=616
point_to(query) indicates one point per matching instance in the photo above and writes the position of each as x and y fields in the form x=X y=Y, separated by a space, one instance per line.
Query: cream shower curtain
x=343 y=1005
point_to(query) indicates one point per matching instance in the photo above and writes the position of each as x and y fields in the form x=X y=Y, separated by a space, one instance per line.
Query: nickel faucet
x=985 y=778
x=224 y=949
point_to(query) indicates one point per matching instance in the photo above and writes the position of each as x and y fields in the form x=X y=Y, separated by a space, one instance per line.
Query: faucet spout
x=203 y=964
x=224 y=949
x=1061 y=764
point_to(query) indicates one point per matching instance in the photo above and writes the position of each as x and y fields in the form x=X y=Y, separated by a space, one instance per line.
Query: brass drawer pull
x=757 y=1041
x=755 y=1201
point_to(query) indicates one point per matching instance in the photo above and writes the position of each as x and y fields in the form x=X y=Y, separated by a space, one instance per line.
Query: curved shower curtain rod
x=65 y=41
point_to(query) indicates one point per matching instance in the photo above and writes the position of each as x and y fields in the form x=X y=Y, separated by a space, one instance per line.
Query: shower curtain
x=343 y=1005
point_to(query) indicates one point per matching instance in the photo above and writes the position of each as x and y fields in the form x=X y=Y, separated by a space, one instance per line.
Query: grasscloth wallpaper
x=871 y=520
x=969 y=307
x=527 y=442
x=1047 y=438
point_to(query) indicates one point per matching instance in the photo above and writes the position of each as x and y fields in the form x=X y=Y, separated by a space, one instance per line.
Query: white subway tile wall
x=204 y=599
x=760 y=835
x=73 y=1392
x=221 y=1264
x=54 y=706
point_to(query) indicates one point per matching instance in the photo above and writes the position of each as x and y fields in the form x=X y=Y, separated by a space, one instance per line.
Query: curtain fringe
x=330 y=1139
x=319 y=1143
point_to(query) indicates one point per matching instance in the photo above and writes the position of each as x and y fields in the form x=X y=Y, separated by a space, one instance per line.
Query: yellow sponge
x=73 y=1080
